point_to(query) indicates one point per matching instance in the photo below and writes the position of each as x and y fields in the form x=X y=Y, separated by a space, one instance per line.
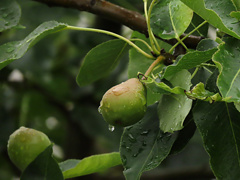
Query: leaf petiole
x=144 y=42
x=181 y=40
x=156 y=62
x=112 y=34
x=152 y=39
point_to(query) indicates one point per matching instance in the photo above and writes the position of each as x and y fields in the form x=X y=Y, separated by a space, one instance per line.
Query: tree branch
x=131 y=19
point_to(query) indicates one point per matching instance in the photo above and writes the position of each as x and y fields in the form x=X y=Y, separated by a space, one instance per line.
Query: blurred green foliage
x=39 y=90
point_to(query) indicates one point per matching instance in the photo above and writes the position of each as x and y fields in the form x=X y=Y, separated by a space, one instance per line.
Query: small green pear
x=25 y=144
x=124 y=104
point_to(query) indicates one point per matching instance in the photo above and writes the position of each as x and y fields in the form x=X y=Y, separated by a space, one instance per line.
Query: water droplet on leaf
x=111 y=128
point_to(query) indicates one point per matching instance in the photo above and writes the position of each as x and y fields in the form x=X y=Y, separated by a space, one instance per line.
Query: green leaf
x=219 y=126
x=15 y=50
x=235 y=14
x=237 y=106
x=144 y=146
x=97 y=163
x=227 y=61
x=43 y=167
x=196 y=21
x=170 y=18
x=237 y=4
x=174 y=108
x=161 y=87
x=10 y=13
x=217 y=13
x=202 y=75
x=100 y=61
x=204 y=53
x=211 y=84
x=199 y=92
x=184 y=135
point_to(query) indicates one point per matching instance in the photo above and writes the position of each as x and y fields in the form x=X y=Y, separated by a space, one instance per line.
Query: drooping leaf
x=43 y=167
x=217 y=13
x=174 y=108
x=161 y=87
x=144 y=146
x=97 y=163
x=170 y=18
x=199 y=92
x=15 y=50
x=219 y=126
x=204 y=53
x=227 y=61
x=100 y=61
x=10 y=13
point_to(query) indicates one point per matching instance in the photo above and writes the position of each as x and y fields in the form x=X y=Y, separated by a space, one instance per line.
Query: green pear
x=124 y=104
x=25 y=144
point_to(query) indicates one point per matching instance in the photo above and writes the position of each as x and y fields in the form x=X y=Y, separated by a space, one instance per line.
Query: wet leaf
x=92 y=164
x=219 y=126
x=15 y=50
x=217 y=13
x=204 y=53
x=174 y=108
x=228 y=62
x=10 y=13
x=170 y=18
x=144 y=146
x=100 y=61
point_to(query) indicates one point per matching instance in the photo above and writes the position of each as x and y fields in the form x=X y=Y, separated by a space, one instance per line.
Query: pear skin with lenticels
x=124 y=104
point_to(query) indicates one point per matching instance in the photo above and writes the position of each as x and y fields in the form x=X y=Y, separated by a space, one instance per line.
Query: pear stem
x=158 y=60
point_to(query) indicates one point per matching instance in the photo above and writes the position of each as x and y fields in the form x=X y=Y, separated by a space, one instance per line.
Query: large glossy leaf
x=144 y=146
x=43 y=167
x=100 y=61
x=10 y=14
x=97 y=163
x=170 y=18
x=217 y=13
x=227 y=61
x=15 y=50
x=204 y=53
x=174 y=108
x=219 y=126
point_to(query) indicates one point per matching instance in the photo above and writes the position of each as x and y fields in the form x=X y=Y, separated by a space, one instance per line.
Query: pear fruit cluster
x=25 y=144
x=124 y=104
